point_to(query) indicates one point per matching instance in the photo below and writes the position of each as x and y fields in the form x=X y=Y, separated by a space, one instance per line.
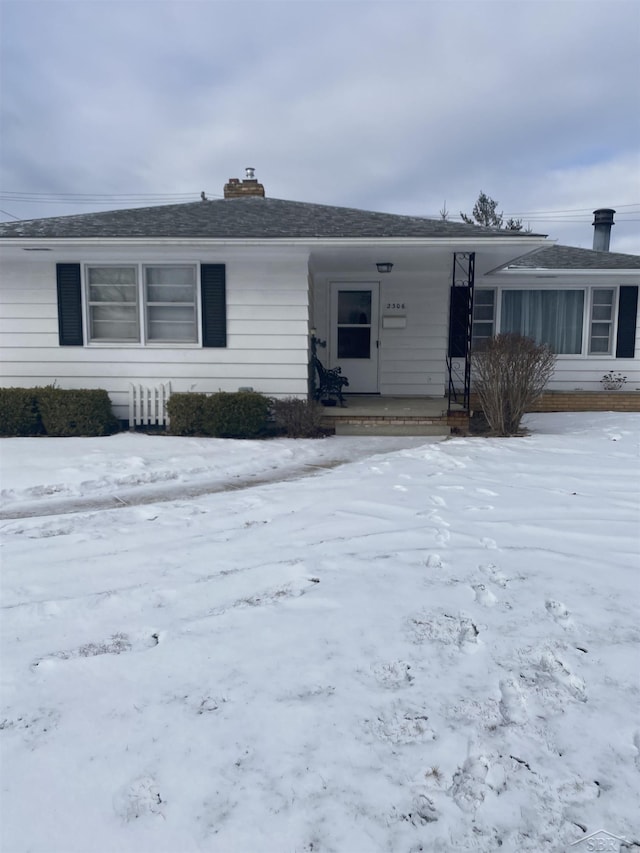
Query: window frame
x=90 y=303
x=142 y=320
x=148 y=340
x=475 y=341
x=587 y=315
x=612 y=322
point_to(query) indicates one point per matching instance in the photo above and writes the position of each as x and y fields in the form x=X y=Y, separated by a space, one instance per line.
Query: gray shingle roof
x=571 y=258
x=246 y=218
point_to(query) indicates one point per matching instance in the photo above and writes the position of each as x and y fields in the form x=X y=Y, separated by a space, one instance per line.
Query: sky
x=402 y=107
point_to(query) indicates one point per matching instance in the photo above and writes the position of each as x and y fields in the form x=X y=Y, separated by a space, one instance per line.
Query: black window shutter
x=69 y=305
x=458 y=318
x=214 y=305
x=627 y=312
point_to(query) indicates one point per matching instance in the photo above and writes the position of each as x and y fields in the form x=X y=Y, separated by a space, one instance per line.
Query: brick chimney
x=602 y=221
x=244 y=188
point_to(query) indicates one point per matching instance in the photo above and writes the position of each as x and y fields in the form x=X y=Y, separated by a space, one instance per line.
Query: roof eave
x=460 y=243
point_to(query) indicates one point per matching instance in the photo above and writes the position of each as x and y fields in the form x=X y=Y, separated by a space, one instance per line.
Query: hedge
x=56 y=411
x=241 y=414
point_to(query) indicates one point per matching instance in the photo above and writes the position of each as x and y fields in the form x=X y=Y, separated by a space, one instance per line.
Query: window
x=484 y=315
x=170 y=304
x=600 y=332
x=553 y=317
x=113 y=304
x=168 y=300
x=567 y=320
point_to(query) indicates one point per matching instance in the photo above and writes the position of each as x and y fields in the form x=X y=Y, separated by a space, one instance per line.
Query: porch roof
x=572 y=258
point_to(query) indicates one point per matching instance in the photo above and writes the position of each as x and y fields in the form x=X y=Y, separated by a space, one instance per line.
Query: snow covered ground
x=432 y=648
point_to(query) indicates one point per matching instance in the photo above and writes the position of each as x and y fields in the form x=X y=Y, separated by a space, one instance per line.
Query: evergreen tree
x=485 y=213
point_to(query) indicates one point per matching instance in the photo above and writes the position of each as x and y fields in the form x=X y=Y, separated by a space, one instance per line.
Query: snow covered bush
x=509 y=374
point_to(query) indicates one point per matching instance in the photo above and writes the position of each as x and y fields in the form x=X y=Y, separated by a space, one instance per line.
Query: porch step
x=391 y=429
x=373 y=428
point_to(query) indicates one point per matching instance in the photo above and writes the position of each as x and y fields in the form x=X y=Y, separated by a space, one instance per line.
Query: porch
x=377 y=415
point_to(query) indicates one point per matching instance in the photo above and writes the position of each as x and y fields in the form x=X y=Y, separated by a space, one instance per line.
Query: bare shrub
x=509 y=374
x=298 y=418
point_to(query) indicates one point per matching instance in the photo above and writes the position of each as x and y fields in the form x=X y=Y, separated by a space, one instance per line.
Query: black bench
x=330 y=381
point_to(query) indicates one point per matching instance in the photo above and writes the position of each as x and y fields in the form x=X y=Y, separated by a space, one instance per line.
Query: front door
x=354 y=334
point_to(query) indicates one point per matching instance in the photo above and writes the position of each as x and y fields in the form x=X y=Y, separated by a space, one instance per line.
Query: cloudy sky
x=392 y=106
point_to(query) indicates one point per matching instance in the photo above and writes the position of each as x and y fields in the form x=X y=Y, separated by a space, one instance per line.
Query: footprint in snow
x=469 y=787
x=117 y=644
x=444 y=628
x=401 y=724
x=636 y=743
x=393 y=675
x=494 y=575
x=484 y=596
x=555 y=668
x=559 y=612
x=137 y=799
x=423 y=811
x=512 y=704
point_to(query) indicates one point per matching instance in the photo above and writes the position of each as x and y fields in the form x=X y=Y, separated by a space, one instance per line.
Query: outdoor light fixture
x=384 y=267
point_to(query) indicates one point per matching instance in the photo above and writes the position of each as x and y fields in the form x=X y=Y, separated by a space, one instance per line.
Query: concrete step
x=390 y=429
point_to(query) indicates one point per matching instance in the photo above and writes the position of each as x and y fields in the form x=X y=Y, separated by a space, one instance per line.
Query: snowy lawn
x=426 y=649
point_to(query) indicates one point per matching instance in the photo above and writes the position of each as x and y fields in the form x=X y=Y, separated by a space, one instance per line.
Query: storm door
x=354 y=334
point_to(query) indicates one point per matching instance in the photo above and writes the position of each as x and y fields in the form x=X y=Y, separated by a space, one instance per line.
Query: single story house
x=228 y=293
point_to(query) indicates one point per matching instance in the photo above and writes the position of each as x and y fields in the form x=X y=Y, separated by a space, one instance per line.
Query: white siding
x=267 y=330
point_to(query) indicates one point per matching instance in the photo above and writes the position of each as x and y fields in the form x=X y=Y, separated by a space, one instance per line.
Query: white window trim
x=141 y=312
x=586 y=318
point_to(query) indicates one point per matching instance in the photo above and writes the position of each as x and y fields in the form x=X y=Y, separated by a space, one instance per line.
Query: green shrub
x=19 y=412
x=75 y=412
x=186 y=413
x=241 y=414
x=298 y=418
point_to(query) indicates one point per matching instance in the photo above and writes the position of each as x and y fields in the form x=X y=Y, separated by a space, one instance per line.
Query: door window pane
x=354 y=307
x=354 y=342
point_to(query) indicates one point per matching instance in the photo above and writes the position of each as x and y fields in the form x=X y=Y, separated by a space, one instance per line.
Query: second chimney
x=249 y=186
x=602 y=221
